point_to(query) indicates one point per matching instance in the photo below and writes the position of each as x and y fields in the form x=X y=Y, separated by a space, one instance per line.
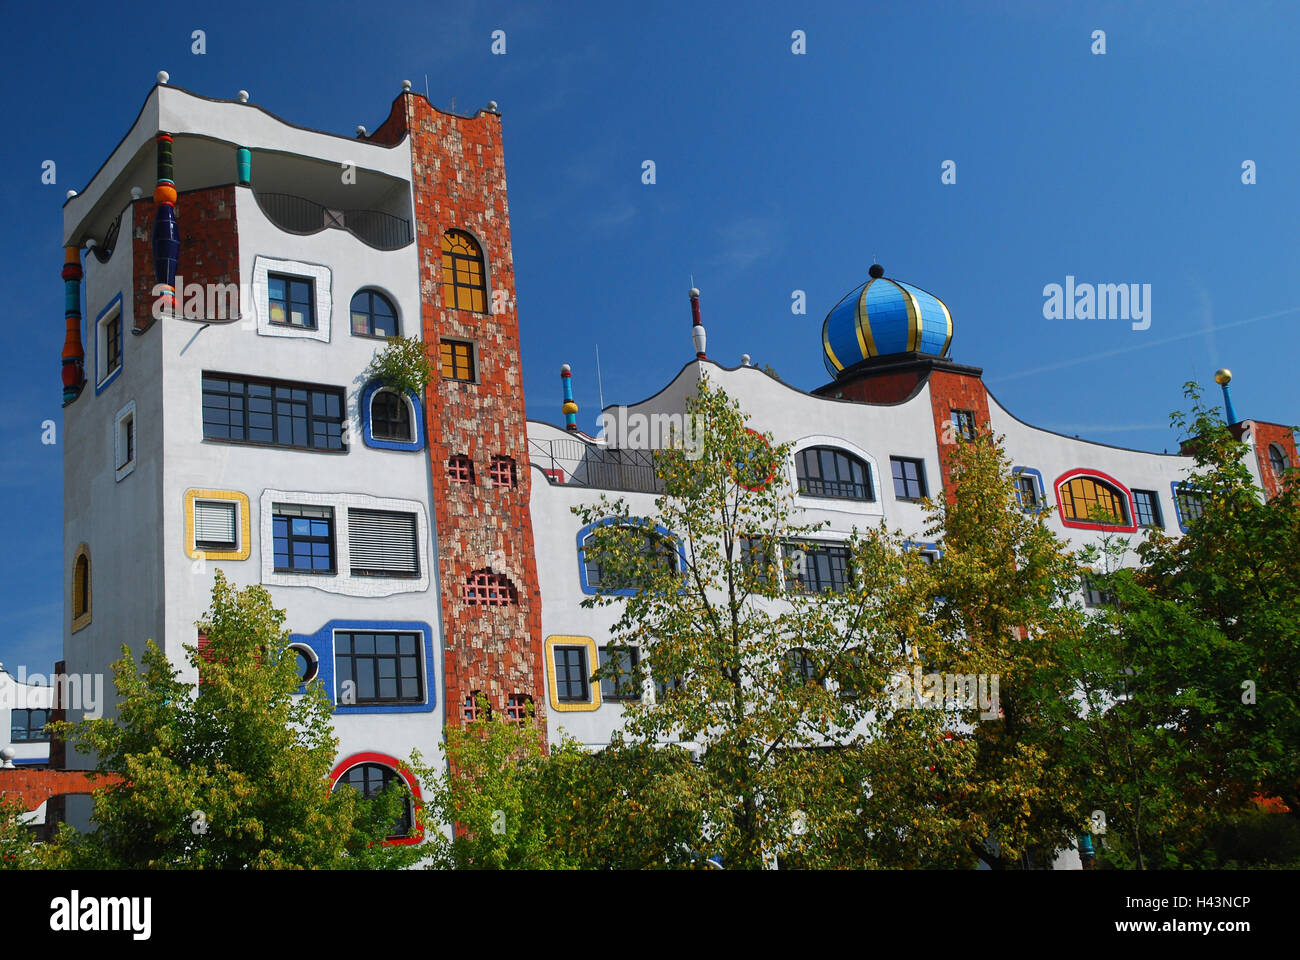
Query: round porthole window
x=308 y=665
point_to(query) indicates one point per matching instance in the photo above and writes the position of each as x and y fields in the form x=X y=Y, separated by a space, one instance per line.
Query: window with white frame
x=108 y=343
x=216 y=525
x=124 y=441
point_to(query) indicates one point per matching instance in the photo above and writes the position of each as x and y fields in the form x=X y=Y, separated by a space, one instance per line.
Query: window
x=1027 y=492
x=1095 y=596
x=488 y=589
x=755 y=558
x=472 y=709
x=1191 y=505
x=390 y=417
x=1147 y=506
x=306 y=662
x=818 y=567
x=108 y=343
x=909 y=478
x=618 y=666
x=81 y=587
x=460 y=469
x=571 y=674
x=28 y=725
x=372 y=779
x=799 y=666
x=1085 y=498
x=382 y=543
x=277 y=414
x=304 y=538
x=661 y=549
x=1277 y=460
x=963 y=422
x=464 y=286
x=291 y=301
x=373 y=315
x=381 y=667
x=518 y=706
x=503 y=473
x=216 y=525
x=827 y=472
x=124 y=441
x=457 y=360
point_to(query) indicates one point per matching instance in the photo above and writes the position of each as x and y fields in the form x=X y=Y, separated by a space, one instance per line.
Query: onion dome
x=883 y=317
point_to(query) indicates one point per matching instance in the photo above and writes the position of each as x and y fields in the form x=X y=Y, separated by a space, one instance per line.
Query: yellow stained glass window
x=463 y=283
x=1084 y=498
x=457 y=360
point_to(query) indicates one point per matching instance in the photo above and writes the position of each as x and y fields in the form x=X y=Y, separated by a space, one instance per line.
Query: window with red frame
x=460 y=469
x=518 y=707
x=503 y=472
x=485 y=588
x=475 y=707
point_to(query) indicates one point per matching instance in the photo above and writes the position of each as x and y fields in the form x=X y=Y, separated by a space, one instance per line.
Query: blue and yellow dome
x=884 y=316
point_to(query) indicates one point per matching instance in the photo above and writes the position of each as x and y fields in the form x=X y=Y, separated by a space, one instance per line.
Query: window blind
x=382 y=544
x=214 y=523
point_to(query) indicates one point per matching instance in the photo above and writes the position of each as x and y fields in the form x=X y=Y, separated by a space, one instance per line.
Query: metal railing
x=300 y=215
x=582 y=464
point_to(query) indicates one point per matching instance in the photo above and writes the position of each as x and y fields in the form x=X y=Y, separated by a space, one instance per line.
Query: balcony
x=575 y=463
x=294 y=214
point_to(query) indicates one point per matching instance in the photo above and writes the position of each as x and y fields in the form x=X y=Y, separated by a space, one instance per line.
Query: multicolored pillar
x=1223 y=378
x=74 y=357
x=244 y=166
x=698 y=336
x=166 y=230
x=570 y=409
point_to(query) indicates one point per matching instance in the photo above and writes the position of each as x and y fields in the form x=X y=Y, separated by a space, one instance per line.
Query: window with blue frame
x=378 y=667
x=1191 y=504
x=304 y=538
x=659 y=549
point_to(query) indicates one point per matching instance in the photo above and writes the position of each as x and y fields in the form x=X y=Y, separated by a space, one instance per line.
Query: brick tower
x=478 y=444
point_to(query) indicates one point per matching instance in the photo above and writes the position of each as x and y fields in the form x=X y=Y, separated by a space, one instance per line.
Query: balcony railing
x=582 y=464
x=300 y=215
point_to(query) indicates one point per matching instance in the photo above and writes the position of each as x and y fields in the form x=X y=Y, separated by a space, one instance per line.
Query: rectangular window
x=383 y=544
x=273 y=413
x=755 y=558
x=304 y=538
x=619 y=666
x=292 y=300
x=817 y=567
x=1147 y=505
x=571 y=675
x=108 y=343
x=28 y=726
x=1094 y=595
x=1027 y=492
x=128 y=440
x=457 y=360
x=216 y=525
x=378 y=668
x=963 y=422
x=1191 y=505
x=909 y=478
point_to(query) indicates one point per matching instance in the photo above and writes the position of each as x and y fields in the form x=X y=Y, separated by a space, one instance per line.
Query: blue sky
x=776 y=172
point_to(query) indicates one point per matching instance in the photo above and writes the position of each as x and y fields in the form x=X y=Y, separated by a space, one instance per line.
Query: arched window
x=828 y=472
x=373 y=314
x=81 y=587
x=464 y=280
x=1086 y=499
x=370 y=780
x=390 y=417
x=1277 y=459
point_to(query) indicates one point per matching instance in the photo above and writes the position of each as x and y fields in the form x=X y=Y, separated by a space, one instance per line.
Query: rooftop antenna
x=599 y=387
x=426 y=87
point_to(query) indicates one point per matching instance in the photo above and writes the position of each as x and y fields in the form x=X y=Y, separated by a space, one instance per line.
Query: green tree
x=19 y=849
x=752 y=665
x=232 y=773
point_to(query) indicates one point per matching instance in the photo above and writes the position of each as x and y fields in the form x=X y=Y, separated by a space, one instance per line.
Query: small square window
x=909 y=478
x=472 y=709
x=216 y=525
x=303 y=538
x=619 y=666
x=518 y=706
x=457 y=360
x=963 y=422
x=291 y=301
x=460 y=469
x=502 y=470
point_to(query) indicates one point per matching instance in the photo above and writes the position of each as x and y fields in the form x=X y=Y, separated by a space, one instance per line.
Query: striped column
x=166 y=230
x=570 y=409
x=74 y=357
